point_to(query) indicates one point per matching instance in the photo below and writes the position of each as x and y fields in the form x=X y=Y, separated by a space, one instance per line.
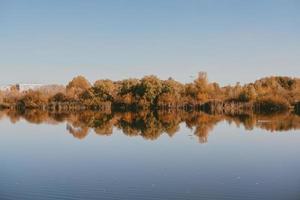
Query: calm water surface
x=44 y=159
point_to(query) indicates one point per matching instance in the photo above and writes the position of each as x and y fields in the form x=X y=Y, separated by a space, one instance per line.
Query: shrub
x=59 y=97
x=32 y=99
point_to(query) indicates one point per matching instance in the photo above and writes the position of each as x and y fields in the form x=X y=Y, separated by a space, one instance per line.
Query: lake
x=148 y=156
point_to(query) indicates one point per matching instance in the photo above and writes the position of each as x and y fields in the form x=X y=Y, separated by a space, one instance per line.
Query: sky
x=51 y=41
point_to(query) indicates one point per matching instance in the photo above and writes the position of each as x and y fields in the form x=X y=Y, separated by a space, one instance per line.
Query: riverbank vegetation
x=271 y=94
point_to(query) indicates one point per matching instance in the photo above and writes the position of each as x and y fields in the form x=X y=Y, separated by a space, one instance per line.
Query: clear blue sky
x=52 y=41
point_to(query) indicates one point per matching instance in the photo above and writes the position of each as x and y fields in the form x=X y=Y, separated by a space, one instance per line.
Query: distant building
x=25 y=87
x=5 y=87
x=21 y=87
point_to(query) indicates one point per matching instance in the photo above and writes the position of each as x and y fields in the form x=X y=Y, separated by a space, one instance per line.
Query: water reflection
x=151 y=125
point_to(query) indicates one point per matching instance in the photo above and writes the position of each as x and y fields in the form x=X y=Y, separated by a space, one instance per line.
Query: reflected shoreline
x=151 y=125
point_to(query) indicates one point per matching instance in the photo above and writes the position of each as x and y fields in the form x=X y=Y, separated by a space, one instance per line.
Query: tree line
x=269 y=94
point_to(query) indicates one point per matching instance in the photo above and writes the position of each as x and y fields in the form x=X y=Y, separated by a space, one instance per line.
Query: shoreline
x=211 y=107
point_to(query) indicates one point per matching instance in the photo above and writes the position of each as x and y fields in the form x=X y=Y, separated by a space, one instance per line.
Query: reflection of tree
x=59 y=117
x=248 y=121
x=151 y=125
x=279 y=122
x=103 y=124
x=78 y=132
x=170 y=121
x=144 y=124
x=203 y=124
x=36 y=116
x=14 y=117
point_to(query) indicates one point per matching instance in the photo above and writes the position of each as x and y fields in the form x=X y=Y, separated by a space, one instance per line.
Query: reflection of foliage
x=78 y=132
x=279 y=122
x=203 y=124
x=151 y=125
x=297 y=108
x=103 y=124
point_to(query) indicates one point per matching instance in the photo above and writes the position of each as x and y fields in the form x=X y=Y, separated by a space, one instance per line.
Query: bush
x=33 y=99
x=59 y=97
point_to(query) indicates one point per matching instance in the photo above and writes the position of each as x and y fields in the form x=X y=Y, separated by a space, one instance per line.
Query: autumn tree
x=149 y=89
x=1 y=97
x=78 y=85
x=126 y=92
x=202 y=90
x=105 y=90
x=171 y=91
x=33 y=99
x=59 y=97
x=11 y=96
x=247 y=94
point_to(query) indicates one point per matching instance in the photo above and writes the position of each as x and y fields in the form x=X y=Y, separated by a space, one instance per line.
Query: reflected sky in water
x=45 y=161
